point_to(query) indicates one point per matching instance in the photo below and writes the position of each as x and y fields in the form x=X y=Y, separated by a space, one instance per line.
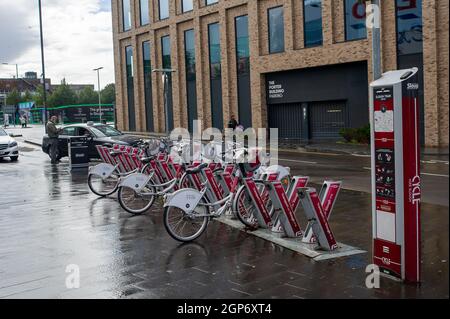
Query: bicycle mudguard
x=103 y=170
x=185 y=199
x=136 y=181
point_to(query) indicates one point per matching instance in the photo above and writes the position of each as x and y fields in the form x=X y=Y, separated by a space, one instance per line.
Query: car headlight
x=13 y=144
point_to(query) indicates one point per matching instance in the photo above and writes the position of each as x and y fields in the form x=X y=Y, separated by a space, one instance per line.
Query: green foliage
x=109 y=94
x=359 y=135
x=13 y=98
x=63 y=95
x=87 y=96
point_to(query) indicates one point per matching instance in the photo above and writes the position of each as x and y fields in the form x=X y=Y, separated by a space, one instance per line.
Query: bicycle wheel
x=185 y=227
x=244 y=207
x=136 y=203
x=103 y=187
x=185 y=182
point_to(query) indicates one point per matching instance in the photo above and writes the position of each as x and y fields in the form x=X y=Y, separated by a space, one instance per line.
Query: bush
x=359 y=135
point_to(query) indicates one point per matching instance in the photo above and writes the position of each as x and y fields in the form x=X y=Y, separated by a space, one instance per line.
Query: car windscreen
x=2 y=132
x=108 y=130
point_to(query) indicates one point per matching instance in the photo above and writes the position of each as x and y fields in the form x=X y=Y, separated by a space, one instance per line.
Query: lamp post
x=44 y=92
x=99 y=93
x=17 y=68
x=165 y=78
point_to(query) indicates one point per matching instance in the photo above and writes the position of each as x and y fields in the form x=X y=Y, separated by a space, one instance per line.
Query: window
x=312 y=10
x=208 y=2
x=144 y=12
x=163 y=9
x=167 y=64
x=215 y=70
x=276 y=30
x=191 y=86
x=409 y=27
x=187 y=5
x=148 y=86
x=130 y=88
x=126 y=12
x=355 y=20
x=243 y=71
x=68 y=131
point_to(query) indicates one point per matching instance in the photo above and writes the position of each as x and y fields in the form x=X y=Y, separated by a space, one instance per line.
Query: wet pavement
x=49 y=220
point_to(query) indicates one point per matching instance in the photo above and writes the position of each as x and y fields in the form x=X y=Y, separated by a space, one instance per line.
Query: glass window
x=312 y=10
x=243 y=71
x=187 y=5
x=242 y=45
x=108 y=130
x=276 y=30
x=191 y=89
x=144 y=13
x=2 y=132
x=163 y=9
x=208 y=2
x=355 y=20
x=215 y=75
x=409 y=27
x=148 y=85
x=69 y=131
x=165 y=43
x=126 y=11
x=130 y=88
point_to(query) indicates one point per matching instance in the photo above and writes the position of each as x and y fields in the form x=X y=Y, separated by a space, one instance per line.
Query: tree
x=28 y=97
x=63 y=95
x=87 y=96
x=109 y=94
x=13 y=98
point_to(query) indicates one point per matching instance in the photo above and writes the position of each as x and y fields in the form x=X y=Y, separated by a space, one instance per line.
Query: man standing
x=53 y=133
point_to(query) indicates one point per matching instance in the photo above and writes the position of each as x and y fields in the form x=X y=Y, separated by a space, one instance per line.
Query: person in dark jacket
x=53 y=134
x=232 y=123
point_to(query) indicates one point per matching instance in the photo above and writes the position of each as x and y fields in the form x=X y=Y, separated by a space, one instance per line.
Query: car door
x=91 y=141
x=63 y=139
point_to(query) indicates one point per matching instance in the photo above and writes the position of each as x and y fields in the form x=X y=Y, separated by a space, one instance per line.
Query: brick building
x=300 y=65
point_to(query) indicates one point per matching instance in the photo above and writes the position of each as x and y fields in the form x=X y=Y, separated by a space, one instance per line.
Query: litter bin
x=78 y=152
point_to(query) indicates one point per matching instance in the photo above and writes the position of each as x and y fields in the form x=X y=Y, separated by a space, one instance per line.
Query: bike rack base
x=296 y=244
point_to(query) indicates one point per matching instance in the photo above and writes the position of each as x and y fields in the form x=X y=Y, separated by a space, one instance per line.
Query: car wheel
x=14 y=158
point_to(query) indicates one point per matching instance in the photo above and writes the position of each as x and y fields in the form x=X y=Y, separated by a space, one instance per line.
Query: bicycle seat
x=196 y=170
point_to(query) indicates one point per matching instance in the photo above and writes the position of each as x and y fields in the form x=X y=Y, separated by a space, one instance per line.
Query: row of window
x=355 y=23
x=163 y=9
x=243 y=76
x=409 y=43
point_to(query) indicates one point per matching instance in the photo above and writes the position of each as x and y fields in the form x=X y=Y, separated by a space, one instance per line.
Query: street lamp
x=99 y=93
x=44 y=92
x=165 y=78
x=17 y=68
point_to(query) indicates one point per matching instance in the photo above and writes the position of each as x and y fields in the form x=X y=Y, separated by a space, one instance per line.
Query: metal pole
x=166 y=101
x=99 y=96
x=376 y=43
x=44 y=93
x=17 y=71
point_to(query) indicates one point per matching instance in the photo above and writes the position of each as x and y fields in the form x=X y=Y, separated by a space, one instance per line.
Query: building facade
x=300 y=65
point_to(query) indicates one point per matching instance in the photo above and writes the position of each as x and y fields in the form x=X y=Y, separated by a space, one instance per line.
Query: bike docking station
x=282 y=227
x=396 y=184
x=78 y=153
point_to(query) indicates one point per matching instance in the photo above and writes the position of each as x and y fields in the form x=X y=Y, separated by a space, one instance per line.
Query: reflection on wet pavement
x=49 y=220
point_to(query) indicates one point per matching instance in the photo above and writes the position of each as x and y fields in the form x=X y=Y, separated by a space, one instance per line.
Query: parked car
x=99 y=134
x=8 y=146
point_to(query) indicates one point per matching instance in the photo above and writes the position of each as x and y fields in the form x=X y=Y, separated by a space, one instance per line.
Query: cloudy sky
x=77 y=38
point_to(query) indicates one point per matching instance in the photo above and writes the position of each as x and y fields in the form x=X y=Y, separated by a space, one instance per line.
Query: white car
x=8 y=146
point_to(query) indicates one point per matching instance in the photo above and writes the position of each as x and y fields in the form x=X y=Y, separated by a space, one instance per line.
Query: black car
x=99 y=134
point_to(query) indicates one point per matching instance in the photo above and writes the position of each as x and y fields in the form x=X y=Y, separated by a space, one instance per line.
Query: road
x=352 y=170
